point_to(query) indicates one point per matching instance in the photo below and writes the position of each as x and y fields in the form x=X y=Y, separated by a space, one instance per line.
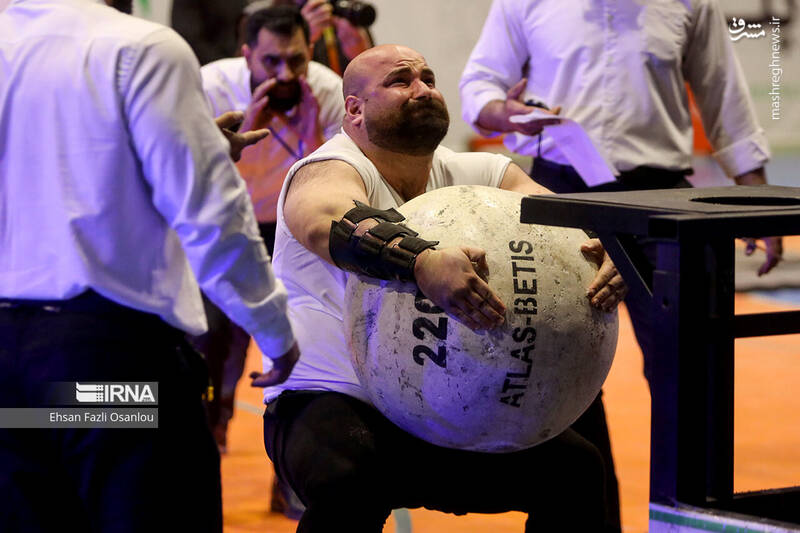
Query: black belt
x=87 y=302
x=563 y=178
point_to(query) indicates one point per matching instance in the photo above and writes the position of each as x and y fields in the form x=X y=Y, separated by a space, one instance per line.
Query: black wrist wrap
x=369 y=254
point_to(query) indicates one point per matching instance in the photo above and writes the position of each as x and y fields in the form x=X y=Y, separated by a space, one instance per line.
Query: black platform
x=691 y=290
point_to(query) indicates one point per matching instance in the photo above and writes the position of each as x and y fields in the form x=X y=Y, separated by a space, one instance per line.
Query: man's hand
x=496 y=115
x=281 y=368
x=514 y=105
x=607 y=288
x=257 y=115
x=319 y=15
x=773 y=246
x=238 y=141
x=353 y=39
x=450 y=278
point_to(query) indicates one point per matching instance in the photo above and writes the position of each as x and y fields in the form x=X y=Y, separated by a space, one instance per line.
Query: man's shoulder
x=229 y=67
x=322 y=79
x=93 y=21
x=340 y=147
x=226 y=83
x=230 y=73
x=326 y=86
x=104 y=22
x=322 y=72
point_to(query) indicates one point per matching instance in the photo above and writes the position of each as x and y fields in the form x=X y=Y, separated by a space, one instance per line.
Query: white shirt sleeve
x=720 y=88
x=495 y=64
x=197 y=190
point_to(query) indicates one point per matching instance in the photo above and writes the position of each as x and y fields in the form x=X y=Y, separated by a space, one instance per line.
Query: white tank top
x=316 y=288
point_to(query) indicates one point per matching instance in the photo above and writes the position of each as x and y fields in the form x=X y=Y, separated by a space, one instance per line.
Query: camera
x=357 y=13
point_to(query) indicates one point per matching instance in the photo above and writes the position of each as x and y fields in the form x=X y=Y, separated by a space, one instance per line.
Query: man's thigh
x=562 y=473
x=329 y=446
x=324 y=444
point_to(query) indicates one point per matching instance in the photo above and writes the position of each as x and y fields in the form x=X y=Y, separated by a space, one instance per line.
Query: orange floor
x=767 y=431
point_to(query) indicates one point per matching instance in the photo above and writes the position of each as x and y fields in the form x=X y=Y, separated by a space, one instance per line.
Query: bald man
x=349 y=465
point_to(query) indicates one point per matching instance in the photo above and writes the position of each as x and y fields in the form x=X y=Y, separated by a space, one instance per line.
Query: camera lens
x=358 y=13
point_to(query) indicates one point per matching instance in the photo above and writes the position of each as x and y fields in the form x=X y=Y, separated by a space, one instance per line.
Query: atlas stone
x=497 y=391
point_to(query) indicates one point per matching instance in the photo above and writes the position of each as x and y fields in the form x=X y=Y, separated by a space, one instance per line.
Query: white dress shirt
x=114 y=176
x=619 y=67
x=264 y=165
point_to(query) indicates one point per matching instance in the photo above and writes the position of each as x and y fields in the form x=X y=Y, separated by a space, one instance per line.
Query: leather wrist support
x=370 y=253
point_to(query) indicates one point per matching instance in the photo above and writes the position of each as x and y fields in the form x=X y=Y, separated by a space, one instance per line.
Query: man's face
x=403 y=110
x=280 y=57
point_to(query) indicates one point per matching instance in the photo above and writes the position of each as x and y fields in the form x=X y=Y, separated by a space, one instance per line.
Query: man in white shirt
x=348 y=463
x=623 y=79
x=118 y=199
x=619 y=69
x=278 y=87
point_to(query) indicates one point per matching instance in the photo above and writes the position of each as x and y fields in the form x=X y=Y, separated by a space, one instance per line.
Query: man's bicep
x=320 y=193
x=516 y=180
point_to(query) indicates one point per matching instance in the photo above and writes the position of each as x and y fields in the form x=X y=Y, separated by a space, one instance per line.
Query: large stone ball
x=497 y=391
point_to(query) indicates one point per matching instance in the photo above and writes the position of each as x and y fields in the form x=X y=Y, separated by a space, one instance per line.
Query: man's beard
x=416 y=128
x=283 y=96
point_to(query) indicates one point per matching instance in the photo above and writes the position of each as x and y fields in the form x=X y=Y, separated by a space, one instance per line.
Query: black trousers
x=563 y=178
x=350 y=466
x=99 y=479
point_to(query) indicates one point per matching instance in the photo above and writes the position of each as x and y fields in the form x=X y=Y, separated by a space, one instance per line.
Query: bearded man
x=277 y=86
x=349 y=464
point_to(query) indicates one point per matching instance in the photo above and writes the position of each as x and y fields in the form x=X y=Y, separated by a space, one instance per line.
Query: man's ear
x=246 y=52
x=353 y=109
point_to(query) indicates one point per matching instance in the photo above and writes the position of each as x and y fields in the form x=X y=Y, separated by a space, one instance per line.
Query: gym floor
x=767 y=433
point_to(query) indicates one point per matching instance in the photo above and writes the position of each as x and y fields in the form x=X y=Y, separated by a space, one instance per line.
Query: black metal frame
x=691 y=290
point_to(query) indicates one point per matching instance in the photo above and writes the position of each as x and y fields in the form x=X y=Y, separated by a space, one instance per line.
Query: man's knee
x=577 y=468
x=349 y=470
x=326 y=446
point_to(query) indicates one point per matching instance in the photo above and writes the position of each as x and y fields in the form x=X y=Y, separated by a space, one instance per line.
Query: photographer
x=339 y=29
x=278 y=87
